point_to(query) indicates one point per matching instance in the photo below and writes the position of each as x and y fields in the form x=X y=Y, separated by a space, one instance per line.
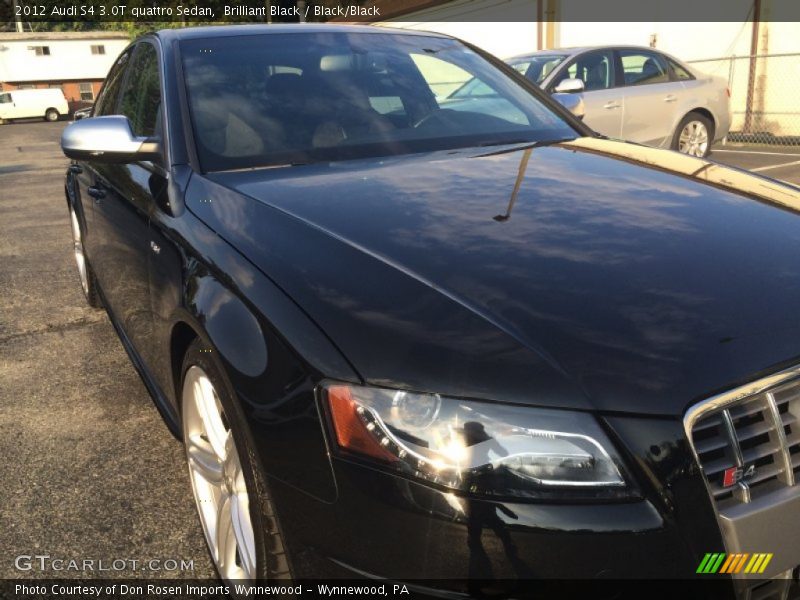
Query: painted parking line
x=757 y=152
x=768 y=167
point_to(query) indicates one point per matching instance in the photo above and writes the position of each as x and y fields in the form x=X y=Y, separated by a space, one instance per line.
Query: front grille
x=759 y=430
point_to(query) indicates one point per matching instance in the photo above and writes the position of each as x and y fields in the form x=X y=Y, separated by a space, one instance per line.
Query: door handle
x=75 y=169
x=96 y=192
x=612 y=104
x=670 y=98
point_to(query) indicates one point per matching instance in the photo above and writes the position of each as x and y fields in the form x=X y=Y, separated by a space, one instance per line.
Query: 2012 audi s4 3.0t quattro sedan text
x=409 y=341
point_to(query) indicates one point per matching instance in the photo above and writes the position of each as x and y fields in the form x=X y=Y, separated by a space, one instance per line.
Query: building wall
x=69 y=60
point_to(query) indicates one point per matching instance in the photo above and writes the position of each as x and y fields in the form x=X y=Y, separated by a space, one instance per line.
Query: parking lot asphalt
x=769 y=161
x=89 y=471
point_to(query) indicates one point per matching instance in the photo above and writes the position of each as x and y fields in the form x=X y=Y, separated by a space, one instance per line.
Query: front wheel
x=694 y=135
x=51 y=115
x=231 y=493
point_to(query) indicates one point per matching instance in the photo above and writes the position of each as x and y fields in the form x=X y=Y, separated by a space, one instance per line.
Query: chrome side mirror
x=573 y=103
x=569 y=86
x=108 y=140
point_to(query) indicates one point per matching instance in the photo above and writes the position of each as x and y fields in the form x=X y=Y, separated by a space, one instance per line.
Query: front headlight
x=478 y=447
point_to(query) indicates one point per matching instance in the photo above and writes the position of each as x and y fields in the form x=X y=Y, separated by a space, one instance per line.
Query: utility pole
x=17 y=18
x=751 y=76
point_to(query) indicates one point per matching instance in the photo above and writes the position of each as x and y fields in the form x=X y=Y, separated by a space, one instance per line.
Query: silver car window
x=640 y=67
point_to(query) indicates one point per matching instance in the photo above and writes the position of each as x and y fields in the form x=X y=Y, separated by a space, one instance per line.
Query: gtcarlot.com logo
x=45 y=562
x=720 y=562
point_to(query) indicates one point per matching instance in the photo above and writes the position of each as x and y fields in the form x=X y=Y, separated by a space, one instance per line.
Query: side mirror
x=569 y=86
x=107 y=139
x=573 y=103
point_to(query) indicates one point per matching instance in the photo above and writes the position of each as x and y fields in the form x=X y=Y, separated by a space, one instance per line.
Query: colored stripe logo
x=719 y=562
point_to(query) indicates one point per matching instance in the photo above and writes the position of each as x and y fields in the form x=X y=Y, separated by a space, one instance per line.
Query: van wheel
x=51 y=115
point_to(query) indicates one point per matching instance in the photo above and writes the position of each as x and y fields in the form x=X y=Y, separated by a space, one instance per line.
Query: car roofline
x=217 y=31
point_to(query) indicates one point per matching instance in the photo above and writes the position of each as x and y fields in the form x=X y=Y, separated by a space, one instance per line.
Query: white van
x=48 y=103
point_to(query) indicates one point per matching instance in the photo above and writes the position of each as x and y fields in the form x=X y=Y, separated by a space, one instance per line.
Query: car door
x=6 y=106
x=124 y=205
x=602 y=97
x=84 y=174
x=651 y=97
x=14 y=109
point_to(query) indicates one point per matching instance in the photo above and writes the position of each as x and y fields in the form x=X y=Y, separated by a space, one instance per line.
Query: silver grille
x=758 y=427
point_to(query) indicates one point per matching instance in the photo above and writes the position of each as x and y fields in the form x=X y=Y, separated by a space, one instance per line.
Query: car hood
x=589 y=274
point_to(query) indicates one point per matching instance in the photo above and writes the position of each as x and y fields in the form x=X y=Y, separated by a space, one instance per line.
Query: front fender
x=271 y=352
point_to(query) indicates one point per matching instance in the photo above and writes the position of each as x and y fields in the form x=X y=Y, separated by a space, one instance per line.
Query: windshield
x=275 y=99
x=538 y=67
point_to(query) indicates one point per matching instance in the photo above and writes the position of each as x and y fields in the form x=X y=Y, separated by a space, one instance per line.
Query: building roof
x=42 y=36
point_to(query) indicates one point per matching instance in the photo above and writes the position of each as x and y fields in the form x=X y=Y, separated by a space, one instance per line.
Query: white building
x=77 y=62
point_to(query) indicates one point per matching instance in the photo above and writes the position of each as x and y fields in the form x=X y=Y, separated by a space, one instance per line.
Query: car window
x=542 y=65
x=681 y=74
x=5 y=98
x=521 y=67
x=643 y=68
x=106 y=103
x=344 y=95
x=473 y=87
x=483 y=98
x=141 y=100
x=595 y=69
x=387 y=105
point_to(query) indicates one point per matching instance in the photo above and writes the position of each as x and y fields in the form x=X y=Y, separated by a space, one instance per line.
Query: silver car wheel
x=77 y=244
x=693 y=139
x=217 y=479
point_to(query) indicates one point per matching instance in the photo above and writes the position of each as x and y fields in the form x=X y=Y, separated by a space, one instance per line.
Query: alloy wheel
x=218 y=483
x=77 y=244
x=693 y=139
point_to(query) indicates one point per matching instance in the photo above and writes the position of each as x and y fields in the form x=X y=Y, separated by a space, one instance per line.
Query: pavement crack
x=53 y=328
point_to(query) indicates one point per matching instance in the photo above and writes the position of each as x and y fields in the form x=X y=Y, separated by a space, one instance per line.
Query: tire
x=694 y=135
x=223 y=467
x=51 y=114
x=85 y=273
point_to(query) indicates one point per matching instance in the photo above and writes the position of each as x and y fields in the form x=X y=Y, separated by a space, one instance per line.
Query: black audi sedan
x=429 y=344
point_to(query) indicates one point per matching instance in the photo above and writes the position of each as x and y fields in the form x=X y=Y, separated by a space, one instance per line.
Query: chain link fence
x=765 y=96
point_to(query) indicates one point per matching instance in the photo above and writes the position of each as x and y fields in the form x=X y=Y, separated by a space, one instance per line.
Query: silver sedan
x=637 y=94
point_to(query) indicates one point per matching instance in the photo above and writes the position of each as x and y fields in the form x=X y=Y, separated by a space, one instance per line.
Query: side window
x=681 y=74
x=107 y=101
x=595 y=69
x=141 y=100
x=643 y=68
